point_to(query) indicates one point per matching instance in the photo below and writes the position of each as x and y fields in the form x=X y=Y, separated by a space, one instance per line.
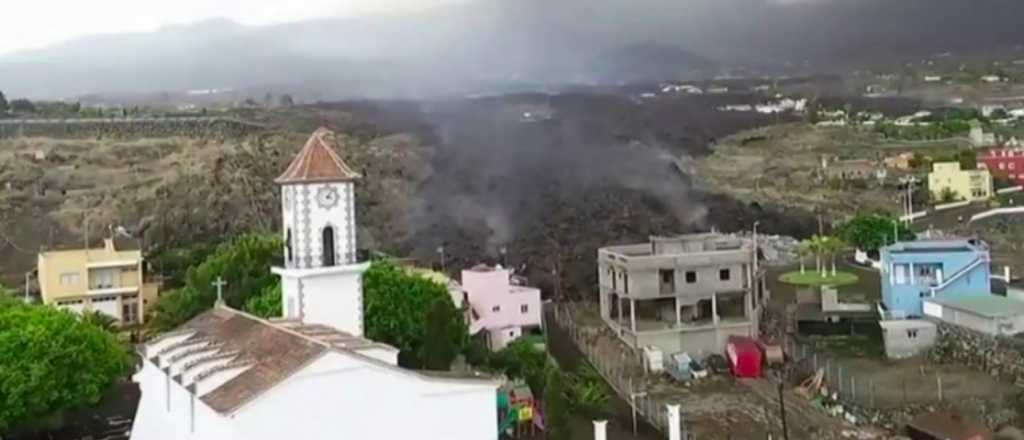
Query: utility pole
x=782 y=405
x=909 y=182
x=632 y=402
x=440 y=251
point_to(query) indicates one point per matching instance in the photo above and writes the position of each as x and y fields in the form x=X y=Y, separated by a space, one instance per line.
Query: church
x=311 y=374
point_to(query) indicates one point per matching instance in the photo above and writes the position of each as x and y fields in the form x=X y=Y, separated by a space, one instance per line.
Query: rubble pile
x=1000 y=357
x=779 y=250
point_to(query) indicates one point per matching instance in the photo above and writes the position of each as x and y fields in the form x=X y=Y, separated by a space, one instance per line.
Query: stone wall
x=131 y=128
x=1000 y=356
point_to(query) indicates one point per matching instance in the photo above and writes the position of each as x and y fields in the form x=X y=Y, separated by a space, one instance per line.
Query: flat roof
x=989 y=306
x=932 y=246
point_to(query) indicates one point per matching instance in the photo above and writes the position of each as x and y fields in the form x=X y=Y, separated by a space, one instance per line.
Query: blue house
x=914 y=270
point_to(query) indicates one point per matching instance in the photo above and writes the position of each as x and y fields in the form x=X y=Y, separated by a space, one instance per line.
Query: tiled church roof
x=318 y=162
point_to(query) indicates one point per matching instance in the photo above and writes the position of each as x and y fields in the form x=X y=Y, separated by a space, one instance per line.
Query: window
x=691 y=277
x=1002 y=166
x=912 y=333
x=723 y=274
x=128 y=313
x=69 y=278
x=496 y=309
x=524 y=308
x=328 y=246
x=667 y=276
x=288 y=243
x=901 y=273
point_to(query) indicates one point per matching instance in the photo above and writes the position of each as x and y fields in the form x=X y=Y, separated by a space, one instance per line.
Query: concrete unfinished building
x=683 y=293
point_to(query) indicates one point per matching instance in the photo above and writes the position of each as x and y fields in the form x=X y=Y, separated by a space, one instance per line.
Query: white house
x=227 y=375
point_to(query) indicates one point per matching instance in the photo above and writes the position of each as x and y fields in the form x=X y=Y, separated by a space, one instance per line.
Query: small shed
x=946 y=425
x=990 y=314
x=905 y=338
x=744 y=356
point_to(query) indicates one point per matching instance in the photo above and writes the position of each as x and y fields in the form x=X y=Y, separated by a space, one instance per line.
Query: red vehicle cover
x=744 y=356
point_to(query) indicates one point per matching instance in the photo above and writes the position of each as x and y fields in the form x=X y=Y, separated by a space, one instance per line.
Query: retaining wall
x=999 y=356
x=129 y=128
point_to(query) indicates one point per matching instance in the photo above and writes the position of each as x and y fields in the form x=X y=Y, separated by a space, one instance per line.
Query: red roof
x=318 y=162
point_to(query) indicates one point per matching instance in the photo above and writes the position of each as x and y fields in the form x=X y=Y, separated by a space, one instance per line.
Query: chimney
x=673 y=422
x=600 y=430
x=108 y=244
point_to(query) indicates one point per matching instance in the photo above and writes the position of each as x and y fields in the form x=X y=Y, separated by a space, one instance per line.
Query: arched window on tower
x=289 y=255
x=328 y=246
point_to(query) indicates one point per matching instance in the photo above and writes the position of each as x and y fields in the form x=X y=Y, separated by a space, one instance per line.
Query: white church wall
x=335 y=300
x=155 y=420
x=382 y=354
x=356 y=399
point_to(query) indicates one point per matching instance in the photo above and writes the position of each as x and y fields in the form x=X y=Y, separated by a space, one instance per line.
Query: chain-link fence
x=881 y=388
x=621 y=371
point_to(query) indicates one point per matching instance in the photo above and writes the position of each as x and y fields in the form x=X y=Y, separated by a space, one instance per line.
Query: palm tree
x=803 y=250
x=833 y=246
x=816 y=246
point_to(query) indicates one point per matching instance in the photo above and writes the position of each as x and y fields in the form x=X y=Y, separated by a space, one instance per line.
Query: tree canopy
x=396 y=305
x=445 y=334
x=3 y=103
x=268 y=303
x=52 y=361
x=244 y=263
x=871 y=232
x=557 y=406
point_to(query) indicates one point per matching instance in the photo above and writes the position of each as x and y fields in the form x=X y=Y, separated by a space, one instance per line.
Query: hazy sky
x=34 y=23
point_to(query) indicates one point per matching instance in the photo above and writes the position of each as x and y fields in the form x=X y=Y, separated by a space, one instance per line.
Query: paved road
x=955 y=220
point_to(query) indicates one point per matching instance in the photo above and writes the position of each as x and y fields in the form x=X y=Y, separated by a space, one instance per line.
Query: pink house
x=499 y=306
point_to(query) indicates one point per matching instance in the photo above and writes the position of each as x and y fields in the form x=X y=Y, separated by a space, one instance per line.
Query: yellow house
x=105 y=280
x=968 y=185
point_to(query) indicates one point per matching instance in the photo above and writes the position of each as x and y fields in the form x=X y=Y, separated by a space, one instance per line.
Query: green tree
x=948 y=195
x=556 y=406
x=244 y=263
x=588 y=393
x=99 y=320
x=3 y=104
x=267 y=304
x=871 y=232
x=22 y=105
x=522 y=360
x=444 y=336
x=395 y=305
x=831 y=247
x=804 y=250
x=51 y=361
x=968 y=159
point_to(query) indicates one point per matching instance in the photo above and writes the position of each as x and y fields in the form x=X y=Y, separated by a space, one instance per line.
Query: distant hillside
x=488 y=44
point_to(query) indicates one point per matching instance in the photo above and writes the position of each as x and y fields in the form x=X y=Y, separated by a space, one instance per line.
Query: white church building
x=227 y=375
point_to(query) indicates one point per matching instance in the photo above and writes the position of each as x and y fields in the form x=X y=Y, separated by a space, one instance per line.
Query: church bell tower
x=321 y=281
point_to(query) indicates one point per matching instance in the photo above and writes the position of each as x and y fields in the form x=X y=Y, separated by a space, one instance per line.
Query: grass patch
x=813 y=278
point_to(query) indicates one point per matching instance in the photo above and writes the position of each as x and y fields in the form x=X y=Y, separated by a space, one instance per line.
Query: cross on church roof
x=219 y=284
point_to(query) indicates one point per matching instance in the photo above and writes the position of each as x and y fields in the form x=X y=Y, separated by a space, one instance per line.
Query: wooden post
x=839 y=375
x=853 y=387
x=938 y=379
